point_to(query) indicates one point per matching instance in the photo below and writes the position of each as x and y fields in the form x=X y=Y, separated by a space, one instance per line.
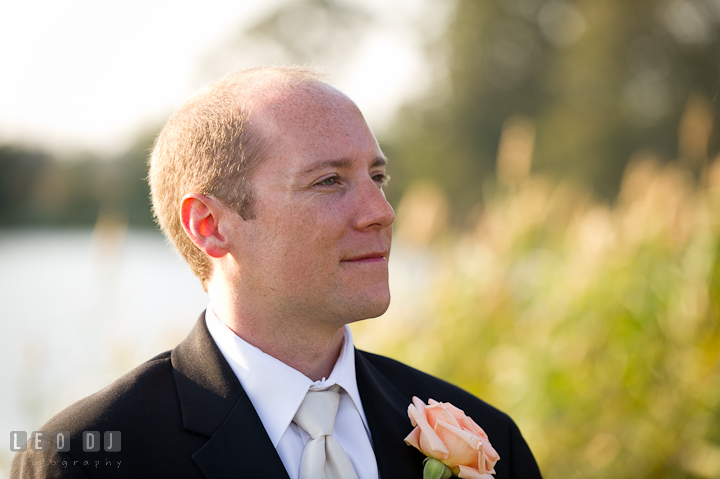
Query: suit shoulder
x=405 y=382
x=403 y=375
x=151 y=379
x=413 y=382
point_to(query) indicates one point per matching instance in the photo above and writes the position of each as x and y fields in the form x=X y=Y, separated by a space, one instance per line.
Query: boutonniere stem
x=435 y=469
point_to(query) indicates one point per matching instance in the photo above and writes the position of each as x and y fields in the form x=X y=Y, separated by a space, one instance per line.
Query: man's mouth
x=372 y=257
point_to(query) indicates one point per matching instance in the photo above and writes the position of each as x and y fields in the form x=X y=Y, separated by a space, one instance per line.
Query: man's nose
x=374 y=211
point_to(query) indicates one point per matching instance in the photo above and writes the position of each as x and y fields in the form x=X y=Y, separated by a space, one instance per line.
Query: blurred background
x=556 y=181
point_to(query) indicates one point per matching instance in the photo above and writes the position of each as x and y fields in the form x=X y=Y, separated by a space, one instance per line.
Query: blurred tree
x=600 y=80
x=311 y=32
x=134 y=199
x=19 y=169
x=37 y=188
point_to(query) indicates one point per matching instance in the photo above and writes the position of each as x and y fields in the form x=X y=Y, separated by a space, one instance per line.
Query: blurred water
x=79 y=308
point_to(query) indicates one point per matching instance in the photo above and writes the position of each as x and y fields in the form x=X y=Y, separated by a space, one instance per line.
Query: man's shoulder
x=405 y=382
x=145 y=388
x=413 y=382
x=141 y=410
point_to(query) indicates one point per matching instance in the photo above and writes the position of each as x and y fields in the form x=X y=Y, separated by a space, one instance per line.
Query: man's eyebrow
x=379 y=161
x=341 y=163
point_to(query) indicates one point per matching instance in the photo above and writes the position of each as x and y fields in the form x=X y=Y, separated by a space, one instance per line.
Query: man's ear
x=201 y=216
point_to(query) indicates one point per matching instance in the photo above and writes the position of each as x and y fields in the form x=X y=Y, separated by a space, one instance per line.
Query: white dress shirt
x=276 y=391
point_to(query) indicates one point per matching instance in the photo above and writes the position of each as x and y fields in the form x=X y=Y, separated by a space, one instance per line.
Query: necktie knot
x=317 y=412
x=323 y=456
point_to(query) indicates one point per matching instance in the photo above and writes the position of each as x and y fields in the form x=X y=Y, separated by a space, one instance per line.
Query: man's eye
x=328 y=181
x=381 y=178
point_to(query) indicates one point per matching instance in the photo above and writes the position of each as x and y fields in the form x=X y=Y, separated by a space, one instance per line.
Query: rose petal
x=462 y=446
x=413 y=439
x=466 y=472
x=491 y=455
x=429 y=443
x=449 y=418
x=433 y=413
x=482 y=460
x=458 y=413
x=438 y=412
x=468 y=423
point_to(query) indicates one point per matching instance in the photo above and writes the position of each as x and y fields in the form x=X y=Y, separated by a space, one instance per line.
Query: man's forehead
x=301 y=109
x=309 y=116
x=312 y=124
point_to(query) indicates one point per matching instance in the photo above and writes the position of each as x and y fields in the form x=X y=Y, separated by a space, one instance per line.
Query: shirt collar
x=274 y=388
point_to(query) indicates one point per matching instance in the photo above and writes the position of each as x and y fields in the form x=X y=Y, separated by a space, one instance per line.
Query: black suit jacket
x=184 y=414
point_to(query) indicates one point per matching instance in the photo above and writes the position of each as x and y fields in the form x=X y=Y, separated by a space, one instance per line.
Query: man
x=269 y=183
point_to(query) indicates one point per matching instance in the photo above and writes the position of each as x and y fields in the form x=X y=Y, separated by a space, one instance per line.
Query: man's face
x=319 y=243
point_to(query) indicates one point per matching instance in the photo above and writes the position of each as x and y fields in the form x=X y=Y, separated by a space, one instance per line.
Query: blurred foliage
x=600 y=81
x=308 y=32
x=37 y=188
x=596 y=327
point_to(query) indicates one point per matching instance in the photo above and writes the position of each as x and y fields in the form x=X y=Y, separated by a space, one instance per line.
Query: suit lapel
x=386 y=411
x=214 y=404
x=240 y=448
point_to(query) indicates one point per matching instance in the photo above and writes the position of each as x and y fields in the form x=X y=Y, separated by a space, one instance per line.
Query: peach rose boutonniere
x=454 y=443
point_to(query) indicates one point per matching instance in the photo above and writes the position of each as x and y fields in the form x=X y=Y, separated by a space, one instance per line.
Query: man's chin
x=370 y=309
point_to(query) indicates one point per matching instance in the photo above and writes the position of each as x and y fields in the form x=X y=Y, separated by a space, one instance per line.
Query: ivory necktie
x=323 y=456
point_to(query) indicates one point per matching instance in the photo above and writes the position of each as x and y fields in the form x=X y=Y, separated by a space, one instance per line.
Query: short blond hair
x=210 y=146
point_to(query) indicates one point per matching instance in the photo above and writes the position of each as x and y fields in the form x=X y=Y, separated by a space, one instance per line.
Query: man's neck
x=307 y=346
